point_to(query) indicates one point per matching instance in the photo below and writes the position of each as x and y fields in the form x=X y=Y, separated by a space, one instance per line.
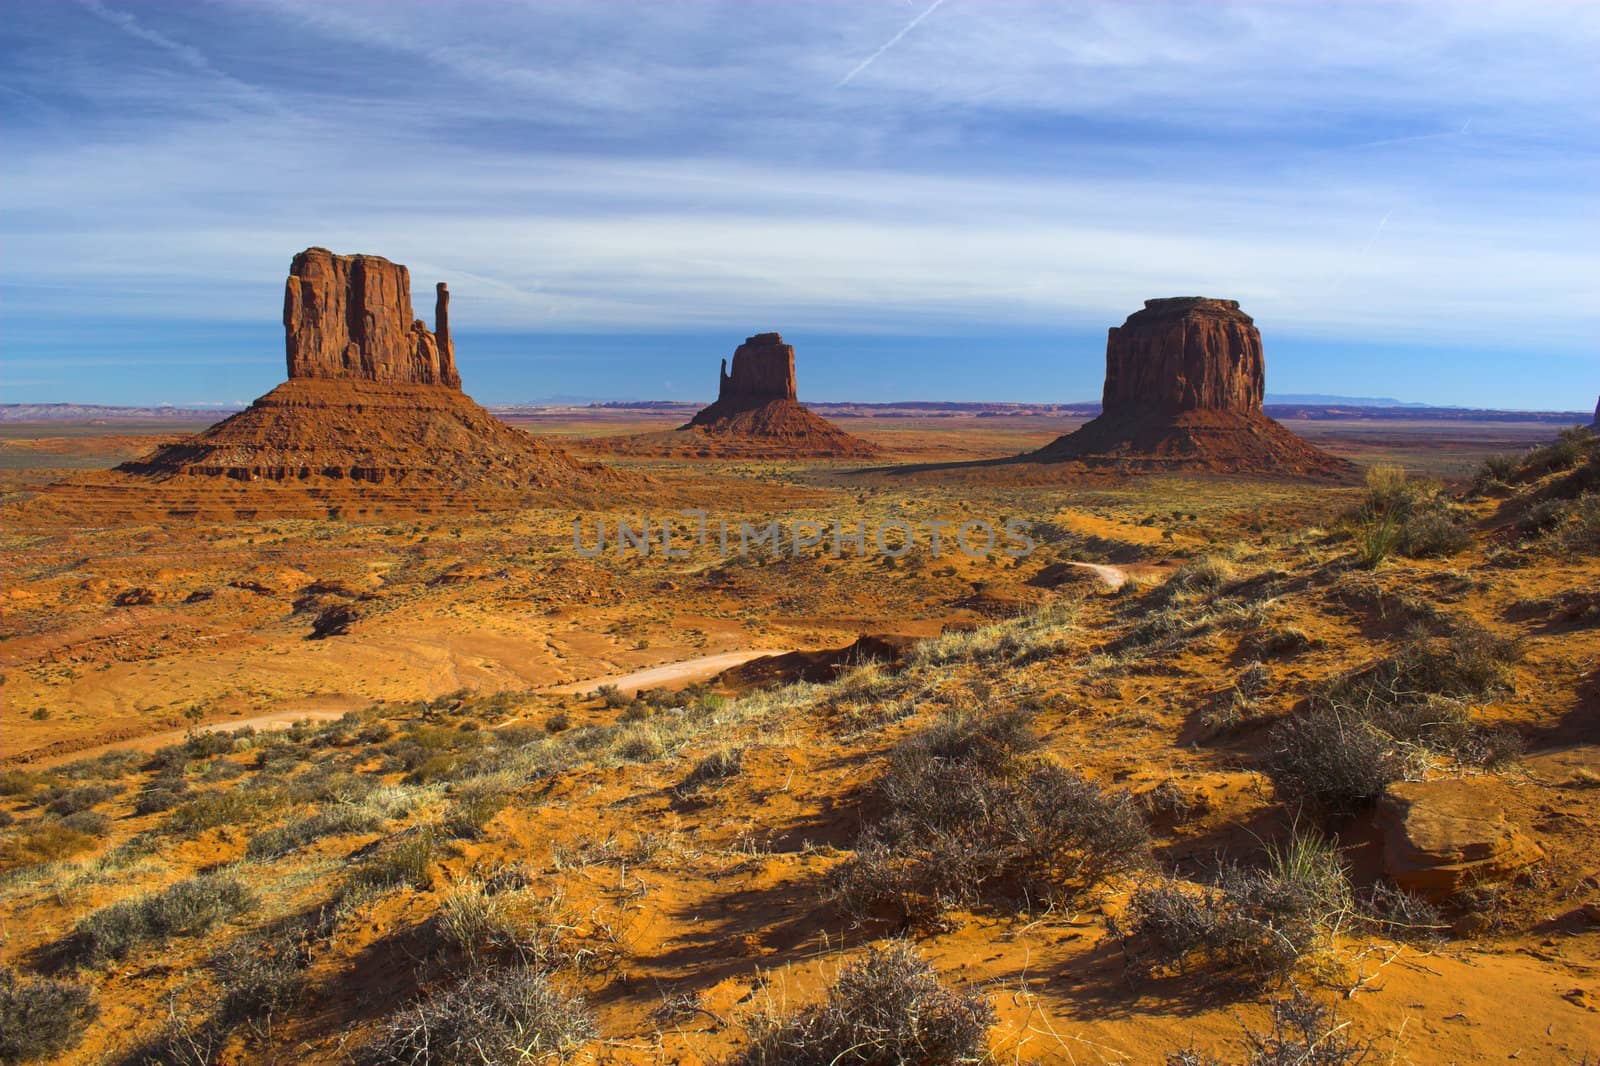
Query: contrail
x=890 y=43
x=1374 y=238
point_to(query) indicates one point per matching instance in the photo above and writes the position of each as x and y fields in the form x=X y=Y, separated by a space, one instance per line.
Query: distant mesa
x=757 y=414
x=763 y=373
x=373 y=399
x=1184 y=384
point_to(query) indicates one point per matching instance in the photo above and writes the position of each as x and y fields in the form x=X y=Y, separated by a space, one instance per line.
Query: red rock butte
x=1184 y=383
x=371 y=419
x=758 y=412
x=757 y=415
x=349 y=316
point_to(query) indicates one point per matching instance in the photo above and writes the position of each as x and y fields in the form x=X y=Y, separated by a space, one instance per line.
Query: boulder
x=1440 y=838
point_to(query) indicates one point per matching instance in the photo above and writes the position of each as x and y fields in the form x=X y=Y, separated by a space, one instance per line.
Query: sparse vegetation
x=187 y=908
x=41 y=1018
x=1251 y=922
x=887 y=1008
x=490 y=1017
x=967 y=812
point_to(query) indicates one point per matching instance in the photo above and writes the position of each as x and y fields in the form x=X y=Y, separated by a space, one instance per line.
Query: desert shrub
x=613 y=697
x=40 y=1018
x=81 y=798
x=1278 y=643
x=1333 y=757
x=965 y=812
x=187 y=908
x=335 y=821
x=180 y=1040
x=1409 y=517
x=1400 y=914
x=559 y=722
x=887 y=1008
x=89 y=823
x=1570 y=449
x=1254 y=923
x=406 y=862
x=1495 y=471
x=42 y=842
x=494 y=1017
x=712 y=769
x=1204 y=576
x=208 y=810
x=1303 y=1033
x=510 y=921
x=15 y=783
x=639 y=742
x=1357 y=736
x=262 y=975
x=161 y=794
x=473 y=810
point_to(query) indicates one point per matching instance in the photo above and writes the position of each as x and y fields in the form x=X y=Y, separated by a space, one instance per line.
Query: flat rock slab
x=1443 y=837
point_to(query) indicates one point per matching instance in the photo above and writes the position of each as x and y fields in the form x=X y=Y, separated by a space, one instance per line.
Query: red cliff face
x=349 y=316
x=1184 y=382
x=763 y=371
x=1184 y=354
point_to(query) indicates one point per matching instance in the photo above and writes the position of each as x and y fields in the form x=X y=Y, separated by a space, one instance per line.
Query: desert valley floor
x=694 y=792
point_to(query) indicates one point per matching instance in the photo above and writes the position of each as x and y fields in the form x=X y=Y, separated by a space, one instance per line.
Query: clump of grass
x=407 y=862
x=1360 y=733
x=472 y=810
x=43 y=842
x=1304 y=1033
x=262 y=975
x=187 y=908
x=1402 y=516
x=511 y=1015
x=887 y=1008
x=1255 y=923
x=41 y=1018
x=483 y=921
x=81 y=798
x=1205 y=576
x=713 y=769
x=224 y=807
x=339 y=820
x=968 y=814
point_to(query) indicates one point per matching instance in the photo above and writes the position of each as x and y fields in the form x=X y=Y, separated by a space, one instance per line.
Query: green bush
x=40 y=1018
x=888 y=1008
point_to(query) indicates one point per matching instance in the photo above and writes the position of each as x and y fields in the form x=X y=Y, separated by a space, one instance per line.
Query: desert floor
x=445 y=789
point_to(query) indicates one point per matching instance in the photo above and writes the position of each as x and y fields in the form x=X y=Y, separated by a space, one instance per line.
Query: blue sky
x=931 y=200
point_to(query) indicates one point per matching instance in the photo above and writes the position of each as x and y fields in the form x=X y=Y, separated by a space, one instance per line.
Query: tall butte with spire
x=758 y=411
x=373 y=403
x=1184 y=384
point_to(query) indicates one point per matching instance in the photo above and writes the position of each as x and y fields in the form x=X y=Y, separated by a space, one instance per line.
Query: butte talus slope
x=372 y=412
x=1184 y=384
x=757 y=415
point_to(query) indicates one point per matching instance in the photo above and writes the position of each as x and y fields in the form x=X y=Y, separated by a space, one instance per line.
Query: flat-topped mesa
x=1187 y=353
x=349 y=316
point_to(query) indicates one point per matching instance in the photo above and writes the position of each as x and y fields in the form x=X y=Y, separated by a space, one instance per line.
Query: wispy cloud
x=1407 y=169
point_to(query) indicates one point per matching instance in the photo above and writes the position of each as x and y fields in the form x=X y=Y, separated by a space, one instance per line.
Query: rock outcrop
x=1441 y=838
x=763 y=371
x=1184 y=384
x=1184 y=354
x=373 y=399
x=349 y=316
x=756 y=415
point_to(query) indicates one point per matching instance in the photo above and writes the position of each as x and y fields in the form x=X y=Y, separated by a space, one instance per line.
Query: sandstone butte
x=1184 y=384
x=372 y=404
x=757 y=414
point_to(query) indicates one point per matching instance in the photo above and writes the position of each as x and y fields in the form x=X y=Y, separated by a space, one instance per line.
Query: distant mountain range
x=1284 y=406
